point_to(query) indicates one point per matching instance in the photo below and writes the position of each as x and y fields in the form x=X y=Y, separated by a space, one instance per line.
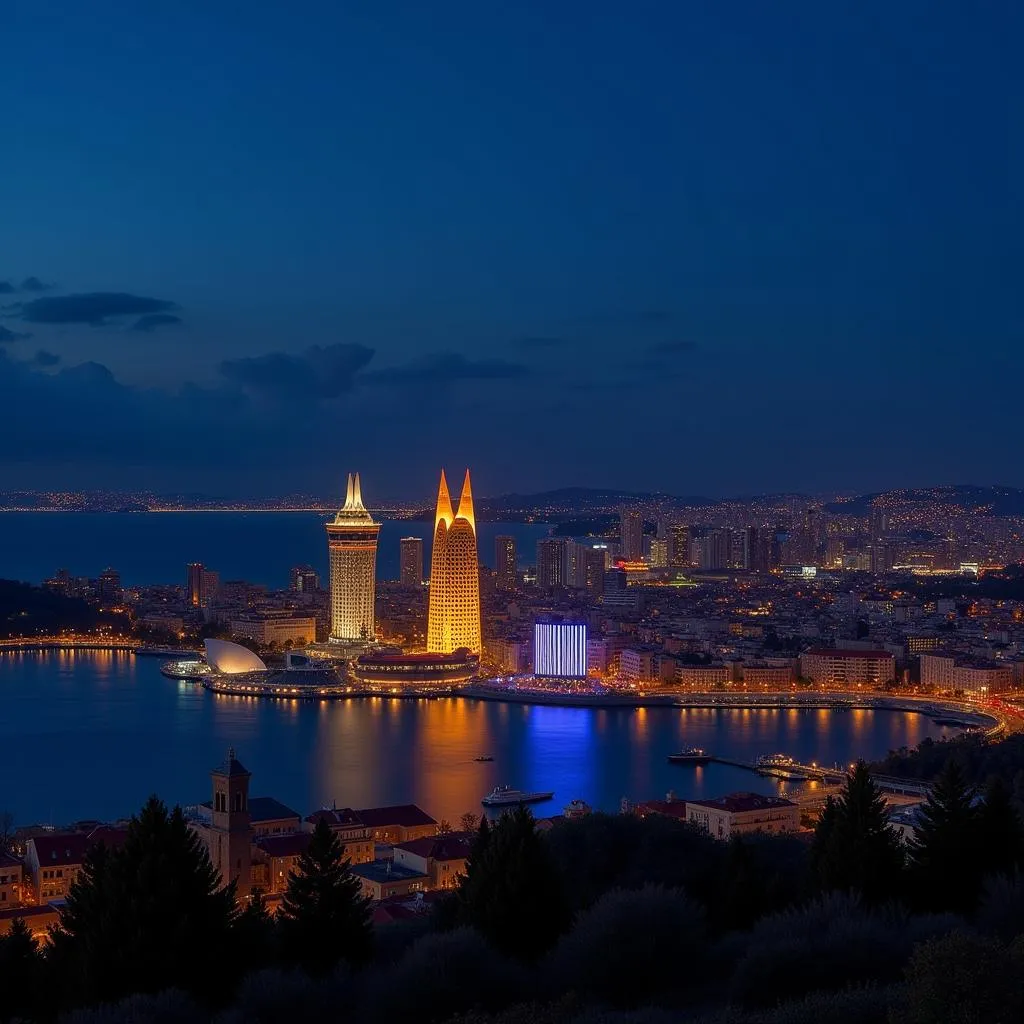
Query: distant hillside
x=998 y=501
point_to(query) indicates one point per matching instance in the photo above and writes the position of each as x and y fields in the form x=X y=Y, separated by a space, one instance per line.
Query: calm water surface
x=154 y=547
x=86 y=735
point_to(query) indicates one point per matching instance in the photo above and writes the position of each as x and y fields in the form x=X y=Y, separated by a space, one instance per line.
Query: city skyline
x=753 y=232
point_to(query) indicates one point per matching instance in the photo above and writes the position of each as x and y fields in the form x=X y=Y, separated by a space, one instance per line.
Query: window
x=60 y=872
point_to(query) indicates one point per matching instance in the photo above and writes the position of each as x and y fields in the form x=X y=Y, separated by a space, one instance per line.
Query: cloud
x=6 y=288
x=320 y=372
x=447 y=367
x=671 y=348
x=33 y=284
x=90 y=308
x=7 y=335
x=151 y=321
x=44 y=358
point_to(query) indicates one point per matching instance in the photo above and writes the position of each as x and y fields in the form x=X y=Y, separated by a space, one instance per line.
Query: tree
x=445 y=827
x=855 y=848
x=20 y=969
x=6 y=831
x=1000 y=834
x=945 y=855
x=149 y=916
x=469 y=822
x=254 y=935
x=324 y=916
x=962 y=978
x=511 y=891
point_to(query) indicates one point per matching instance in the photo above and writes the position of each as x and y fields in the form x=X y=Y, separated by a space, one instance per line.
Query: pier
x=790 y=772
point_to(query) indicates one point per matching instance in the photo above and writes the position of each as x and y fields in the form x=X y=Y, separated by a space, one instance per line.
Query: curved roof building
x=229 y=659
x=453 y=619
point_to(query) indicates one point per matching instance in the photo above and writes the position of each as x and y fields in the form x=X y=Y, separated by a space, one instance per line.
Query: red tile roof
x=406 y=815
x=668 y=808
x=7 y=860
x=739 y=802
x=343 y=817
x=453 y=846
x=291 y=844
x=112 y=838
x=61 y=848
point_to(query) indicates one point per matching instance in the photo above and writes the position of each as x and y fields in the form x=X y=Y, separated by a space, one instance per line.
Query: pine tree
x=856 y=849
x=945 y=853
x=21 y=966
x=149 y=916
x=254 y=935
x=324 y=917
x=511 y=891
x=1000 y=833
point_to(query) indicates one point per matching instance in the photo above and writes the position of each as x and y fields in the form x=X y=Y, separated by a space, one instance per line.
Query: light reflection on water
x=91 y=734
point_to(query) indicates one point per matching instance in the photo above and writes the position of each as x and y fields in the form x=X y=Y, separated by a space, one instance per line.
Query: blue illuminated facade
x=560 y=649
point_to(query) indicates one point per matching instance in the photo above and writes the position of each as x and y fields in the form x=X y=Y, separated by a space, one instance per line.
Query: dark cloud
x=90 y=308
x=7 y=335
x=541 y=342
x=447 y=367
x=44 y=358
x=33 y=284
x=671 y=348
x=320 y=372
x=6 y=288
x=151 y=321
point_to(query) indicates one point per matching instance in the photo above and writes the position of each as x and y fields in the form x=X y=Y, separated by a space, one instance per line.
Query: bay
x=92 y=734
x=154 y=547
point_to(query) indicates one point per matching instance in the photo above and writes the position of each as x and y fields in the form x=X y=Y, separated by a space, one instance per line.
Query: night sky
x=708 y=248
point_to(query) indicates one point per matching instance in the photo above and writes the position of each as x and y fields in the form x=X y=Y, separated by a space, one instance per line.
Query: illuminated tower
x=453 y=620
x=352 y=542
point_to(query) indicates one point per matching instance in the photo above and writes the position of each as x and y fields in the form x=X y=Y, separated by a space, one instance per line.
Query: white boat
x=775 y=761
x=506 y=796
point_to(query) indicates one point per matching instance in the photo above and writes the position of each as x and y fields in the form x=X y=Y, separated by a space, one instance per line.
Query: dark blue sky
x=707 y=248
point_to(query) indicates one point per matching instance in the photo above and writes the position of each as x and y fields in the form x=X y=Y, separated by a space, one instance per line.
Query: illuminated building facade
x=411 y=564
x=453 y=619
x=560 y=649
x=631 y=534
x=352 y=545
x=201 y=584
x=505 y=562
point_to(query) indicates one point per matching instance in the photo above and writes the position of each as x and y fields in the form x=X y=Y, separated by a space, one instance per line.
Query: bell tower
x=230 y=824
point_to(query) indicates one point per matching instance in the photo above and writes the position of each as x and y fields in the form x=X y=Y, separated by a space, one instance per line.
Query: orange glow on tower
x=453 y=620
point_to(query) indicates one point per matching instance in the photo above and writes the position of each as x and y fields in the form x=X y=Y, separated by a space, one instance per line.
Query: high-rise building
x=631 y=534
x=453 y=619
x=411 y=562
x=551 y=563
x=352 y=545
x=658 y=557
x=305 y=579
x=109 y=586
x=200 y=584
x=505 y=562
x=679 y=546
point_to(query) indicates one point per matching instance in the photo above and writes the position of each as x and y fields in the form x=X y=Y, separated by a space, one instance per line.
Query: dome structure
x=230 y=659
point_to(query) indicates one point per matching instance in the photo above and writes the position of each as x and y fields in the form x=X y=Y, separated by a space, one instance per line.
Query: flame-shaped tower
x=352 y=543
x=453 y=620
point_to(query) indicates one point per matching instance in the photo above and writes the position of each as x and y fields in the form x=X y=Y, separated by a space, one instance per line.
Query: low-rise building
x=703 y=677
x=943 y=672
x=270 y=817
x=441 y=858
x=768 y=676
x=274 y=857
x=390 y=825
x=842 y=667
x=10 y=881
x=741 y=813
x=281 y=628
x=54 y=861
x=383 y=878
x=355 y=836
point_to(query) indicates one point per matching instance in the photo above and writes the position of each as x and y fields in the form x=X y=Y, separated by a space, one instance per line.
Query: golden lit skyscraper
x=352 y=542
x=453 y=620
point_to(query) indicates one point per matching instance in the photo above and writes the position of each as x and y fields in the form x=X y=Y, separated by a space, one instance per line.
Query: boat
x=775 y=761
x=690 y=755
x=484 y=757
x=506 y=796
